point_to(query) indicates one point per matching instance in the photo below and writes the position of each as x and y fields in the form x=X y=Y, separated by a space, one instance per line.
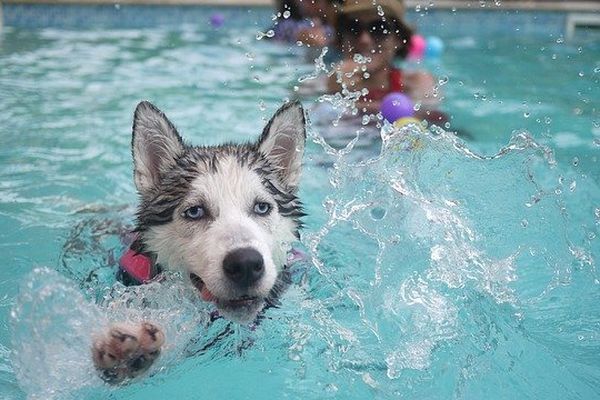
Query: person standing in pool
x=376 y=30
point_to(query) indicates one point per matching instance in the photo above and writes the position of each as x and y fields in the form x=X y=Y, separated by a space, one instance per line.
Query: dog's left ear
x=155 y=145
x=282 y=141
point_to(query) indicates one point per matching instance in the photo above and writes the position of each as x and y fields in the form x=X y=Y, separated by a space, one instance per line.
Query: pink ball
x=418 y=44
x=396 y=105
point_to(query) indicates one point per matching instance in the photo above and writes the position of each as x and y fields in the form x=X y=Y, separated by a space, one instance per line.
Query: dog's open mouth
x=206 y=295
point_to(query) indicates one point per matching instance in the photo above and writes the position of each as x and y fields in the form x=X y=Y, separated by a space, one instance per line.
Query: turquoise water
x=440 y=268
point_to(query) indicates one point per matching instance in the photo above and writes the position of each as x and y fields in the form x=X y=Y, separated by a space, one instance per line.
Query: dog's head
x=224 y=215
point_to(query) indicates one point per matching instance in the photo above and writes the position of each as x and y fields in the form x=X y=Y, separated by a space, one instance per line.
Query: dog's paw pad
x=127 y=350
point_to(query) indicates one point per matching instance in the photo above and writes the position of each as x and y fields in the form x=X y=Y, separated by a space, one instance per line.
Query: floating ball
x=216 y=20
x=395 y=106
x=434 y=48
x=402 y=122
x=417 y=47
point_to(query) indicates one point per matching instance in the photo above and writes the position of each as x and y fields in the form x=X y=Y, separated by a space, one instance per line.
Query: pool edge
x=570 y=6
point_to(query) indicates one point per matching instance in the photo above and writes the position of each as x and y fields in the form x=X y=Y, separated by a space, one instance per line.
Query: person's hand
x=421 y=87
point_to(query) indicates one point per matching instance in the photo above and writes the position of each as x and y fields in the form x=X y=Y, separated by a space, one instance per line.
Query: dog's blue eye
x=262 y=208
x=195 y=212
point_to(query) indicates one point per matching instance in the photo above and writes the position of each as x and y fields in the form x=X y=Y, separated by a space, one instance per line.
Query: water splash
x=53 y=326
x=439 y=228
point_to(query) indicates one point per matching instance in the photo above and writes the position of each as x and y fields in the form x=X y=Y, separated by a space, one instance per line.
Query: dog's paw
x=126 y=351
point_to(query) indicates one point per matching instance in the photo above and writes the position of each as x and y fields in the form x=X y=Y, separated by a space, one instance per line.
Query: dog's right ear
x=155 y=145
x=282 y=142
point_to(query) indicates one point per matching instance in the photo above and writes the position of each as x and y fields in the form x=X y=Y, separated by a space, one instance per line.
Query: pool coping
x=567 y=6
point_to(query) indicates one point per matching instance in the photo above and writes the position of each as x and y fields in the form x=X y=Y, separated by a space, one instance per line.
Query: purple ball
x=395 y=106
x=216 y=20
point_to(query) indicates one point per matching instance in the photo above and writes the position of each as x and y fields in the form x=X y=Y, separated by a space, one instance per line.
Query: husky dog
x=225 y=216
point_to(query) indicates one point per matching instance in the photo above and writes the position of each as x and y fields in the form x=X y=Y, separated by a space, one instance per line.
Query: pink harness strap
x=137 y=265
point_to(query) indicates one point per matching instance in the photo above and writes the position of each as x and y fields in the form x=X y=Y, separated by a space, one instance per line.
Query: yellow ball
x=399 y=123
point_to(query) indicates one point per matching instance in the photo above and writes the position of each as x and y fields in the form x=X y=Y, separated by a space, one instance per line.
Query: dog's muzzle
x=244 y=267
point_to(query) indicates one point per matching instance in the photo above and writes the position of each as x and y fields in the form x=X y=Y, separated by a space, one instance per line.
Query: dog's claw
x=127 y=351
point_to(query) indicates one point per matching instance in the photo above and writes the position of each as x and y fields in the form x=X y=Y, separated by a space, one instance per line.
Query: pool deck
x=556 y=5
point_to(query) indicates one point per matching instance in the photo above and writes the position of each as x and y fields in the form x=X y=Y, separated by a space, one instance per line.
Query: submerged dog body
x=224 y=216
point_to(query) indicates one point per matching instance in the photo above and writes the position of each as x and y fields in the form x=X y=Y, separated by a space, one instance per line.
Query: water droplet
x=524 y=223
x=526 y=114
x=380 y=11
x=365 y=119
x=261 y=105
x=573 y=186
x=443 y=80
x=581 y=74
x=554 y=57
x=331 y=388
x=591 y=235
x=286 y=14
x=117 y=6
x=378 y=213
x=575 y=161
x=250 y=56
x=597 y=70
x=296 y=88
x=417 y=106
x=447 y=125
x=560 y=40
x=270 y=33
x=548 y=120
x=597 y=142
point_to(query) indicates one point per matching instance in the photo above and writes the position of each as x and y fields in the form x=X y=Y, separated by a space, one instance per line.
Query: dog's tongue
x=206 y=294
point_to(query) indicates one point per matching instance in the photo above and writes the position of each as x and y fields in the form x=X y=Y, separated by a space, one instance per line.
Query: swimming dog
x=224 y=216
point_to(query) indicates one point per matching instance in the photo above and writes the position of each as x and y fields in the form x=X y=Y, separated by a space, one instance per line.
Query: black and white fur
x=225 y=216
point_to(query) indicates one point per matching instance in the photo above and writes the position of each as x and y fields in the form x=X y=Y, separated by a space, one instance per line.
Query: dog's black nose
x=244 y=267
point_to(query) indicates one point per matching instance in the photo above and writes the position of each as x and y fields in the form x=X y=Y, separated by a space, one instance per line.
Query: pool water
x=438 y=266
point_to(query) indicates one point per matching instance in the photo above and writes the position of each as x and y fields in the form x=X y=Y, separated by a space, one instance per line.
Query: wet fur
x=228 y=182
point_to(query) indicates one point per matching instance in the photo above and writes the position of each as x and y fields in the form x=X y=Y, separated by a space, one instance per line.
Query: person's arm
x=369 y=106
x=421 y=87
